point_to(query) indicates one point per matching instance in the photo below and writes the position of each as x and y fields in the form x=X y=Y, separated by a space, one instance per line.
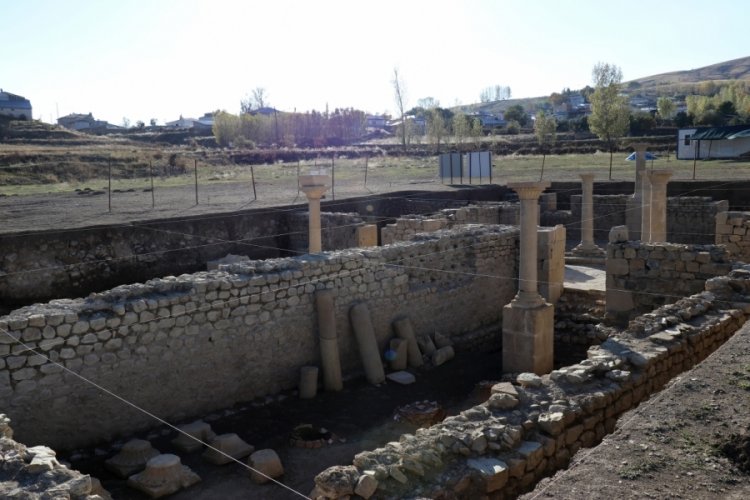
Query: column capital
x=314 y=185
x=639 y=146
x=529 y=190
x=659 y=176
x=587 y=176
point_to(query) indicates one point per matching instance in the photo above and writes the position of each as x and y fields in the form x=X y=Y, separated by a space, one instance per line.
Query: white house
x=713 y=142
x=14 y=106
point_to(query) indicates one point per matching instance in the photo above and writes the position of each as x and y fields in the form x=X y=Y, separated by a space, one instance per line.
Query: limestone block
x=618 y=234
x=528 y=335
x=226 y=448
x=192 y=436
x=368 y=347
x=405 y=331
x=367 y=235
x=266 y=464
x=401 y=377
x=366 y=486
x=163 y=476
x=442 y=355
x=132 y=458
x=492 y=472
x=308 y=382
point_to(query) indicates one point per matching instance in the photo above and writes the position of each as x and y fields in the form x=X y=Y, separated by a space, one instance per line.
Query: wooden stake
x=195 y=165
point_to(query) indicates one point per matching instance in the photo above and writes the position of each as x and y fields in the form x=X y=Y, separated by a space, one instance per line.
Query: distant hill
x=672 y=83
x=736 y=69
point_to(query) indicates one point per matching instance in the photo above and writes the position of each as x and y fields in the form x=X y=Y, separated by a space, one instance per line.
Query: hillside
x=693 y=81
x=736 y=69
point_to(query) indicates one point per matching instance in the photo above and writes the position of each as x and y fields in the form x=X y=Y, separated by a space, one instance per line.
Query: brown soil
x=74 y=210
x=360 y=418
x=692 y=440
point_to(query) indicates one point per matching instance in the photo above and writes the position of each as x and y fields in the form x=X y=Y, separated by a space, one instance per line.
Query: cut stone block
x=405 y=331
x=132 y=458
x=528 y=338
x=266 y=464
x=493 y=472
x=163 y=476
x=226 y=447
x=442 y=355
x=308 y=382
x=198 y=432
x=402 y=377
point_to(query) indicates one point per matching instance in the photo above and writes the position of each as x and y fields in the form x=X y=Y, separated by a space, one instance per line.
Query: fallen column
x=368 y=347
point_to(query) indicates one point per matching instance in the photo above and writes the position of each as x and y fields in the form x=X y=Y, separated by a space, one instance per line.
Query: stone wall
x=405 y=227
x=533 y=426
x=733 y=231
x=337 y=231
x=181 y=346
x=644 y=276
x=692 y=219
x=37 y=266
x=40 y=266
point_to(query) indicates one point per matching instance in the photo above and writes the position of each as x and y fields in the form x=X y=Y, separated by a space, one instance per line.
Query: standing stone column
x=658 y=180
x=314 y=186
x=587 y=247
x=633 y=215
x=329 y=344
x=646 y=211
x=528 y=320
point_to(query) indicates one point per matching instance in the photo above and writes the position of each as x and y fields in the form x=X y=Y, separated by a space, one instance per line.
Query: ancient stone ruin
x=349 y=296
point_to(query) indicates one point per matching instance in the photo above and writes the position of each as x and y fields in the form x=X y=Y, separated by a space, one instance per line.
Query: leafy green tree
x=545 y=130
x=610 y=116
x=665 y=107
x=516 y=113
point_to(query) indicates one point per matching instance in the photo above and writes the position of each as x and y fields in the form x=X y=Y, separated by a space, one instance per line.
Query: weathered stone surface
x=132 y=458
x=443 y=355
x=552 y=423
x=226 y=448
x=492 y=472
x=163 y=476
x=366 y=486
x=502 y=401
x=529 y=380
x=338 y=481
x=266 y=464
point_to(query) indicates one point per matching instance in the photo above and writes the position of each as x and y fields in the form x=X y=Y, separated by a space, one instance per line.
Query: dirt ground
x=74 y=210
x=360 y=417
x=692 y=440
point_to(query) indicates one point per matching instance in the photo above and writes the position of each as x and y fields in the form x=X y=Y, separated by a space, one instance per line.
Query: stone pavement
x=585 y=278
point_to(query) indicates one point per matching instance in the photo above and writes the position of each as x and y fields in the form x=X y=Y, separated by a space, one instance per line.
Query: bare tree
x=257 y=100
x=399 y=94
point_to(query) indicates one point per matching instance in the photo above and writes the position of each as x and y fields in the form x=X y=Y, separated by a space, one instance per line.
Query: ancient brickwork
x=338 y=231
x=181 y=346
x=530 y=428
x=644 y=276
x=487 y=213
x=692 y=219
x=733 y=231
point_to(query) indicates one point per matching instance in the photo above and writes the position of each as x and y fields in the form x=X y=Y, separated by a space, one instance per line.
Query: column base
x=528 y=338
x=588 y=251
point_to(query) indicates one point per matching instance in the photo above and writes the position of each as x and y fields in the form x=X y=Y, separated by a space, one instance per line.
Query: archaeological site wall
x=532 y=426
x=36 y=266
x=733 y=231
x=181 y=346
x=643 y=276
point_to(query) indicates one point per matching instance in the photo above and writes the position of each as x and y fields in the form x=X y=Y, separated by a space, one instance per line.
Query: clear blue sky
x=144 y=59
